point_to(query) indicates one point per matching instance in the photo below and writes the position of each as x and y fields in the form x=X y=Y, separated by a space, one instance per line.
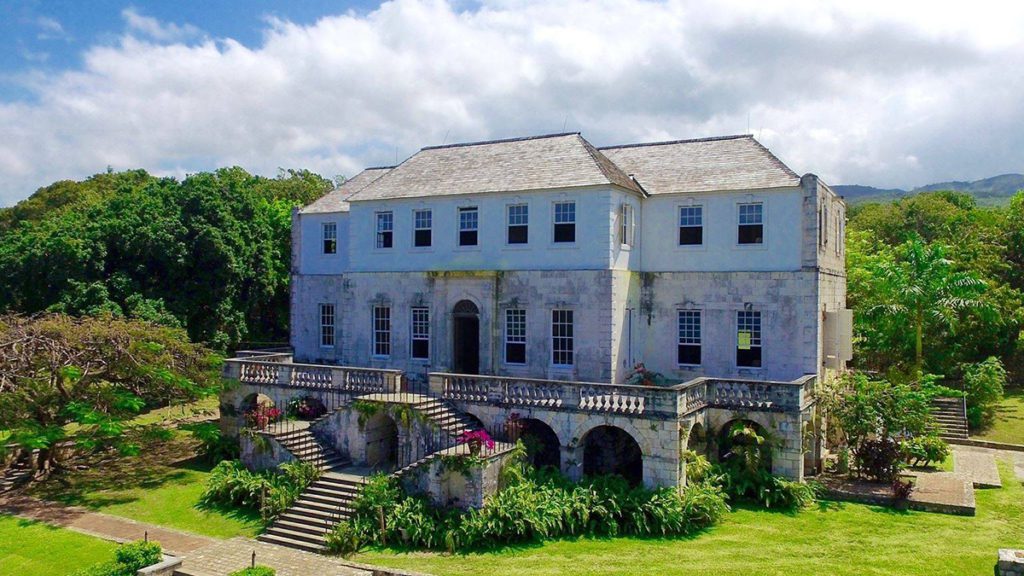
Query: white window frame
x=459 y=226
x=555 y=222
x=519 y=337
x=557 y=320
x=380 y=219
x=525 y=222
x=759 y=340
x=381 y=326
x=680 y=226
x=419 y=330
x=763 y=223
x=417 y=227
x=689 y=339
x=328 y=325
x=324 y=237
x=627 y=225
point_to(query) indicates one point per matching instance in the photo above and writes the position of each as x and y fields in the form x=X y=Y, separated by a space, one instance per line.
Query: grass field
x=160 y=486
x=1008 y=426
x=831 y=538
x=32 y=549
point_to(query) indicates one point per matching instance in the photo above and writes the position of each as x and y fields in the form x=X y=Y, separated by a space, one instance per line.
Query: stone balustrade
x=278 y=370
x=762 y=395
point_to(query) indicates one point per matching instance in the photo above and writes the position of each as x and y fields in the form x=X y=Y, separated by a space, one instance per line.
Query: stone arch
x=253 y=400
x=728 y=447
x=381 y=435
x=697 y=440
x=543 y=448
x=611 y=450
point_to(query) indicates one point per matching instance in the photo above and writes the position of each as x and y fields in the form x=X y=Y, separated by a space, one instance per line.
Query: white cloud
x=50 y=29
x=914 y=96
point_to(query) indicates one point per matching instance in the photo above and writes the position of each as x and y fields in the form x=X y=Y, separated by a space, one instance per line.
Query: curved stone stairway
x=328 y=501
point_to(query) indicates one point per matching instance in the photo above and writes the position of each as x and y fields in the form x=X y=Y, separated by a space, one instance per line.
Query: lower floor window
x=327 y=325
x=420 y=333
x=561 y=337
x=748 y=339
x=515 y=336
x=688 y=351
x=381 y=331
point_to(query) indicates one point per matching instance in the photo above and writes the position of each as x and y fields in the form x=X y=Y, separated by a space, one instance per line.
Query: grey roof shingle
x=336 y=200
x=702 y=165
x=541 y=162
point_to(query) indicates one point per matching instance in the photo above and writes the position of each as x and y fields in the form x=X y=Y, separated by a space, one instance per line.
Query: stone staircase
x=447 y=418
x=305 y=447
x=951 y=417
x=15 y=475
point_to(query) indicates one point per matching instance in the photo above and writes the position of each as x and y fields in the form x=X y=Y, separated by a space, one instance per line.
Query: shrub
x=698 y=468
x=924 y=450
x=128 y=558
x=255 y=571
x=306 y=408
x=214 y=446
x=269 y=492
x=901 y=490
x=536 y=505
x=983 y=383
x=879 y=459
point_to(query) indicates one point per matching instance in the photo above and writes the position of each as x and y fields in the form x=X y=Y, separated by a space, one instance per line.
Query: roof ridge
x=500 y=141
x=685 y=141
x=609 y=169
x=380 y=167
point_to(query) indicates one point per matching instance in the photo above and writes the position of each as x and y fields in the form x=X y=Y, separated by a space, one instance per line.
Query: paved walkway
x=978 y=464
x=227 y=556
x=102 y=526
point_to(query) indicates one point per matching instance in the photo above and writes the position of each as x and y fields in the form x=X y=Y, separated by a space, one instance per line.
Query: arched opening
x=381 y=433
x=611 y=450
x=259 y=411
x=306 y=408
x=745 y=443
x=466 y=338
x=542 y=446
x=697 y=442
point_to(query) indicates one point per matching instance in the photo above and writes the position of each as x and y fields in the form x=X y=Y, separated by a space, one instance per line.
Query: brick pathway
x=102 y=526
x=227 y=556
x=979 y=464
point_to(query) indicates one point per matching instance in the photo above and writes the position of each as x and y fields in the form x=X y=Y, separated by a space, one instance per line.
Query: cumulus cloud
x=918 y=95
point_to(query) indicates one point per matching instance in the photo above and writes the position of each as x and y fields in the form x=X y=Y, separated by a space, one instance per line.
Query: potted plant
x=476 y=440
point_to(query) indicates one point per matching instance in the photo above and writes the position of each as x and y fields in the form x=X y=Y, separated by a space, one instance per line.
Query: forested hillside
x=209 y=253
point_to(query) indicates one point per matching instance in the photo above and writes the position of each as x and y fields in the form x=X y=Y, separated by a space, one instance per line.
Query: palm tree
x=924 y=291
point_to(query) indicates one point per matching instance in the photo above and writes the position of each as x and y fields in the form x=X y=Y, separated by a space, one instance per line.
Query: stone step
x=302 y=510
x=332 y=491
x=316 y=539
x=300 y=516
x=330 y=507
x=289 y=543
x=313 y=528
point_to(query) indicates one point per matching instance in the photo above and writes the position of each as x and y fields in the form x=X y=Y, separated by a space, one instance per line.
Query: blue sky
x=873 y=92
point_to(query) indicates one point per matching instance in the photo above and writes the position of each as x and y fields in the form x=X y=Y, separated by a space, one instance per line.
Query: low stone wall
x=461 y=488
x=1011 y=562
x=165 y=567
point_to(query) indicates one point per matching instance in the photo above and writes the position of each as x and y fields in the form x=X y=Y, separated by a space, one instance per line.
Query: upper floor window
x=562 y=338
x=751 y=223
x=626 y=224
x=748 y=339
x=385 y=229
x=381 y=331
x=422 y=222
x=469 y=224
x=329 y=232
x=565 y=222
x=515 y=336
x=688 y=352
x=691 y=225
x=327 y=325
x=420 y=332
x=518 y=224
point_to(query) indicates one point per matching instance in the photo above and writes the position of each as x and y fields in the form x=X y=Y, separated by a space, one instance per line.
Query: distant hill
x=993 y=191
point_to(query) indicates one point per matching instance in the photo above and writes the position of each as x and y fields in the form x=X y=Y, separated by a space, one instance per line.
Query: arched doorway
x=698 y=441
x=259 y=411
x=466 y=338
x=381 y=433
x=542 y=445
x=745 y=443
x=611 y=450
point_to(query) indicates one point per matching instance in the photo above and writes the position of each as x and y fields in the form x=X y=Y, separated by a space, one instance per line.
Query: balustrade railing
x=282 y=372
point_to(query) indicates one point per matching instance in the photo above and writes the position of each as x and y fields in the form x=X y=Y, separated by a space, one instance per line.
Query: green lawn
x=1008 y=425
x=831 y=538
x=33 y=549
x=160 y=486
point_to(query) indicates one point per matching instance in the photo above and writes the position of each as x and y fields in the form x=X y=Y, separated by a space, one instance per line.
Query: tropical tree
x=921 y=291
x=78 y=382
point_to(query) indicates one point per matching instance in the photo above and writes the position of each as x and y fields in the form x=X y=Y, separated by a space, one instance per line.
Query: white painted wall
x=589 y=252
x=720 y=251
x=312 y=260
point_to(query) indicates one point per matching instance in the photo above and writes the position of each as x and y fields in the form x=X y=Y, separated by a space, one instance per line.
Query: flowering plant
x=306 y=408
x=641 y=376
x=261 y=416
x=477 y=438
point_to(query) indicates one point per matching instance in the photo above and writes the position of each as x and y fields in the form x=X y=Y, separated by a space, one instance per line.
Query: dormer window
x=565 y=222
x=385 y=229
x=329 y=232
x=469 y=224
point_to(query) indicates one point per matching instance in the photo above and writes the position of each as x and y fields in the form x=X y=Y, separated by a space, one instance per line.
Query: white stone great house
x=516 y=285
